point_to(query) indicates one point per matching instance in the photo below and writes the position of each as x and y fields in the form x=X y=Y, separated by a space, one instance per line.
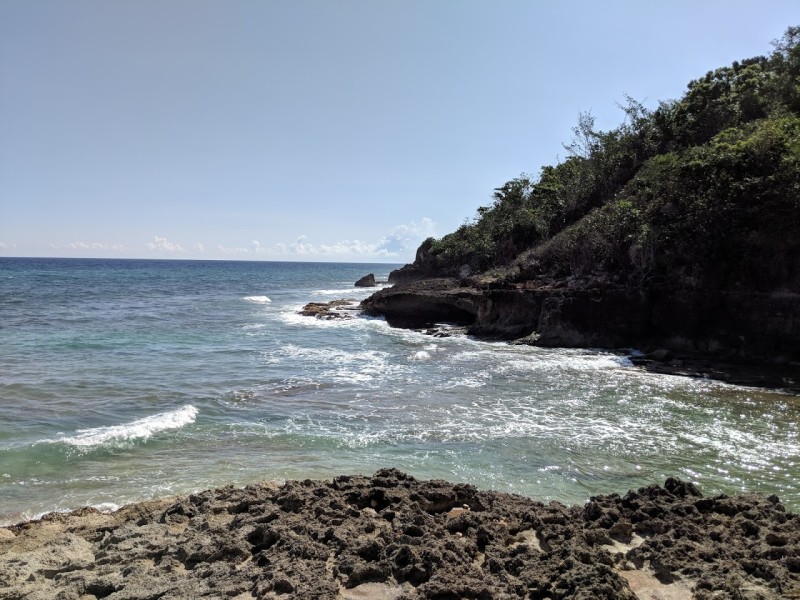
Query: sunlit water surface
x=128 y=380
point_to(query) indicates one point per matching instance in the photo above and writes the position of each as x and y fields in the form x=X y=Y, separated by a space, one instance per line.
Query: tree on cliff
x=702 y=191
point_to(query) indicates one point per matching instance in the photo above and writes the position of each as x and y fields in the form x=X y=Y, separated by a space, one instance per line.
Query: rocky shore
x=392 y=536
x=745 y=338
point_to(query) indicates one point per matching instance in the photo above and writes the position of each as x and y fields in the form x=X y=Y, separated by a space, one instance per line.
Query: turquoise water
x=128 y=380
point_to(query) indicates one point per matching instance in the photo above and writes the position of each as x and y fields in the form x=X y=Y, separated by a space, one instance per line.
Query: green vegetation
x=703 y=191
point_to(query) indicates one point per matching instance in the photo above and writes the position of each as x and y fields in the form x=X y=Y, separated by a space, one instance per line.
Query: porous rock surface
x=391 y=536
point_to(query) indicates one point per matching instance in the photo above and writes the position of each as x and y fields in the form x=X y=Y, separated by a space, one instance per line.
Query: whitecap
x=422 y=355
x=257 y=299
x=140 y=429
x=341 y=292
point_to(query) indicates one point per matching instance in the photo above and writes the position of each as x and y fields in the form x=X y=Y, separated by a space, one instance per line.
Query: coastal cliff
x=677 y=231
x=725 y=324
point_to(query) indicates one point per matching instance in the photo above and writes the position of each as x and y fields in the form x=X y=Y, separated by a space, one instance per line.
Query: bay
x=124 y=380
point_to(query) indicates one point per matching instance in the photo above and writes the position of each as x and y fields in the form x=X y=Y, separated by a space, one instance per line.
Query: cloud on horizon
x=401 y=242
x=405 y=239
x=161 y=244
x=232 y=250
x=96 y=246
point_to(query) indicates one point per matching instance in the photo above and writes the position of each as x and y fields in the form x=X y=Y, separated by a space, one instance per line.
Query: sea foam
x=257 y=299
x=140 y=429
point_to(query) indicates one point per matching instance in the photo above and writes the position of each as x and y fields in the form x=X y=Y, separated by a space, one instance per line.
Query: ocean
x=126 y=380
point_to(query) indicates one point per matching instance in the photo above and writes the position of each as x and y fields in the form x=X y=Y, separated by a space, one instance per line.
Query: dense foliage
x=701 y=191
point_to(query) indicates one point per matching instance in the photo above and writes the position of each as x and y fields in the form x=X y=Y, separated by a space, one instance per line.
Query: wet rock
x=660 y=355
x=335 y=309
x=367 y=281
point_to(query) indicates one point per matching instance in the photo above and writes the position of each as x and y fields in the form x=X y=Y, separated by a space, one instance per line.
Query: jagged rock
x=335 y=309
x=393 y=536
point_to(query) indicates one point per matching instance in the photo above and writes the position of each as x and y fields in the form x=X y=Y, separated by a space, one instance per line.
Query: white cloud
x=198 y=247
x=258 y=248
x=344 y=248
x=5 y=246
x=96 y=246
x=232 y=250
x=161 y=244
x=401 y=242
x=405 y=239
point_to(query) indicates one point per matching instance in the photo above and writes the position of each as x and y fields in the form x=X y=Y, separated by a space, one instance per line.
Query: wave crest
x=257 y=299
x=140 y=429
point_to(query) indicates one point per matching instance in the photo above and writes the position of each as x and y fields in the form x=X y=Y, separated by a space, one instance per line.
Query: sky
x=317 y=130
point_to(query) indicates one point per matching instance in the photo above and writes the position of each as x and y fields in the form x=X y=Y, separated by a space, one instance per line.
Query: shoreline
x=771 y=376
x=728 y=340
x=780 y=377
x=393 y=536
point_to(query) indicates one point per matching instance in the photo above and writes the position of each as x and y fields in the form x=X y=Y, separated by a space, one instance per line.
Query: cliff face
x=680 y=230
x=763 y=326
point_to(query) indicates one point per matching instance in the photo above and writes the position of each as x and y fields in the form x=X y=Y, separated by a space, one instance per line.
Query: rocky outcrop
x=424 y=304
x=335 y=309
x=424 y=266
x=762 y=327
x=392 y=536
x=367 y=281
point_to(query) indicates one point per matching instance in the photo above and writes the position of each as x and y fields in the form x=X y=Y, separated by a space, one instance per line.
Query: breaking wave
x=140 y=429
x=257 y=299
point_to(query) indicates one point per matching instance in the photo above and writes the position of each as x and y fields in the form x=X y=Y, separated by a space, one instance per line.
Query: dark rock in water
x=392 y=536
x=661 y=355
x=367 y=281
x=335 y=309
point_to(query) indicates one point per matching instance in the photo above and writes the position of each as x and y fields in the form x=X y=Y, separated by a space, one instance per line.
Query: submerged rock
x=393 y=536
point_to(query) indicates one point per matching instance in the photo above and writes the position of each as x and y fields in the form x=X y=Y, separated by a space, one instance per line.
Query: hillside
x=678 y=229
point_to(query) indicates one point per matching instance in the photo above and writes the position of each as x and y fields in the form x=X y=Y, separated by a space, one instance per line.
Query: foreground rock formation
x=391 y=536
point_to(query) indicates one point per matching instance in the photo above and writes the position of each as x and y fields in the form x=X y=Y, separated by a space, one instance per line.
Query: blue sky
x=316 y=130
